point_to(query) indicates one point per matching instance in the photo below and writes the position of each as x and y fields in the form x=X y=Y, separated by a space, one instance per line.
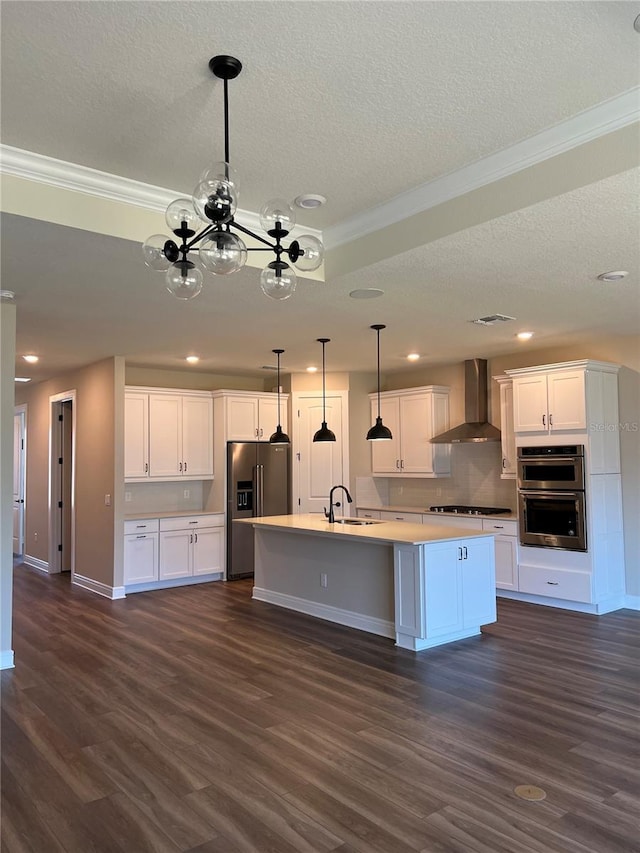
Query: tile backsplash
x=163 y=497
x=475 y=479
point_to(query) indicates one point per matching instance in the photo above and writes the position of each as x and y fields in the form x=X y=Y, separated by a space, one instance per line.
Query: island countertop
x=382 y=532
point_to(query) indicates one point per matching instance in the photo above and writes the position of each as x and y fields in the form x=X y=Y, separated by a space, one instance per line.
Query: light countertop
x=382 y=532
x=395 y=508
x=136 y=516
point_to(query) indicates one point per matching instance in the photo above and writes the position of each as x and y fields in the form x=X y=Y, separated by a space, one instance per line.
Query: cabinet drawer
x=140 y=525
x=190 y=522
x=461 y=521
x=412 y=517
x=500 y=527
x=368 y=513
x=557 y=583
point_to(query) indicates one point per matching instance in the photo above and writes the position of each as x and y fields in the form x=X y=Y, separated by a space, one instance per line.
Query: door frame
x=55 y=405
x=21 y=412
x=296 y=396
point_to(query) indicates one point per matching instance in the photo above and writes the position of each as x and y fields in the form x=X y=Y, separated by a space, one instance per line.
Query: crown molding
x=604 y=118
x=81 y=179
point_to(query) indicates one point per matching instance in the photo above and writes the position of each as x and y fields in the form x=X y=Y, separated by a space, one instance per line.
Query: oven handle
x=573 y=493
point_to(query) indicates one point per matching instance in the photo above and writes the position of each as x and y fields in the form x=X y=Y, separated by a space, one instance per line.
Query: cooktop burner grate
x=470 y=510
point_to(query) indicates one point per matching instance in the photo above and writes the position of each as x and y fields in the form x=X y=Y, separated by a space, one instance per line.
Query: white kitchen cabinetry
x=251 y=416
x=506 y=539
x=414 y=416
x=168 y=435
x=548 y=403
x=458 y=583
x=368 y=513
x=190 y=546
x=141 y=551
x=158 y=551
x=462 y=521
x=507 y=433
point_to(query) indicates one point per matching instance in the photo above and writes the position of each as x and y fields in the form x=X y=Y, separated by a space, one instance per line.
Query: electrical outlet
x=35 y=537
x=107 y=500
x=323 y=580
x=127 y=497
x=187 y=494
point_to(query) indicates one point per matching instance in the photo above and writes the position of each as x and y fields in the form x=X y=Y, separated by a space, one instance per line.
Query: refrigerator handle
x=259 y=489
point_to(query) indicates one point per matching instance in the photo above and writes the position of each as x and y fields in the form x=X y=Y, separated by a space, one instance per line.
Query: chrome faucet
x=329 y=515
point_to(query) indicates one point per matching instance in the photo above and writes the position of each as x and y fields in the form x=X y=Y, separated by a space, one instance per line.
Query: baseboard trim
x=632 y=602
x=174 y=582
x=370 y=624
x=7 y=660
x=35 y=563
x=112 y=592
x=607 y=606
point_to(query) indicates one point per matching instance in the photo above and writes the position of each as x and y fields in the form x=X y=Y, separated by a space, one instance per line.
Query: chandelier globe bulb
x=277 y=217
x=153 y=253
x=278 y=280
x=184 y=280
x=223 y=253
x=215 y=200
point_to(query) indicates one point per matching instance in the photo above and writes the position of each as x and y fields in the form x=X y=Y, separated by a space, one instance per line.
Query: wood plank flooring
x=196 y=719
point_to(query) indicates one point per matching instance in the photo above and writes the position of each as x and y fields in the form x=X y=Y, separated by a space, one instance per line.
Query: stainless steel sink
x=358 y=521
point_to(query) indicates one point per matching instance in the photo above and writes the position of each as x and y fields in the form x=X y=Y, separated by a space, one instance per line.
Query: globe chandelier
x=204 y=225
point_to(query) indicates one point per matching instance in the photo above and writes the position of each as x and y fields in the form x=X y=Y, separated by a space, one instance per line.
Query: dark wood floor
x=197 y=720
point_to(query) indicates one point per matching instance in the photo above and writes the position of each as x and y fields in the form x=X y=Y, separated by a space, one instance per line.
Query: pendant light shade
x=279 y=437
x=324 y=433
x=379 y=432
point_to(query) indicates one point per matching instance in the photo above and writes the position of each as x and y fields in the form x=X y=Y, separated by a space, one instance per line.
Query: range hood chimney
x=475 y=426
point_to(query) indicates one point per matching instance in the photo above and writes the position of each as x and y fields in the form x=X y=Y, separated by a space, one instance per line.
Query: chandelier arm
x=260 y=249
x=251 y=234
x=207 y=230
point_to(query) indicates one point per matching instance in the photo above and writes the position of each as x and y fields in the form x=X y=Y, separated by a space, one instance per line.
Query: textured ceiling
x=357 y=101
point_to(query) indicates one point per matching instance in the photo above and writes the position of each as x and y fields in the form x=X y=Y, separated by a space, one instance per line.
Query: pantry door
x=319 y=466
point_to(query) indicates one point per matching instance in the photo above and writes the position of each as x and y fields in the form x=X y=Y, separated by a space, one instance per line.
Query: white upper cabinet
x=168 y=435
x=571 y=398
x=251 y=416
x=414 y=416
x=549 y=402
x=507 y=433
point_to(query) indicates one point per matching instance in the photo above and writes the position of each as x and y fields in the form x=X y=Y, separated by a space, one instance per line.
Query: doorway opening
x=62 y=453
x=19 y=477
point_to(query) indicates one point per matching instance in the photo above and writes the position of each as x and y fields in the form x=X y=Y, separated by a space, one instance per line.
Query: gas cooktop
x=470 y=510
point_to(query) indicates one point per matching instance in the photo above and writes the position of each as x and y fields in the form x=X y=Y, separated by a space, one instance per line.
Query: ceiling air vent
x=491 y=319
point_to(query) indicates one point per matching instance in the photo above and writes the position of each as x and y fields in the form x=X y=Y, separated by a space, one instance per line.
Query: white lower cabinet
x=170 y=549
x=368 y=513
x=506 y=537
x=411 y=517
x=444 y=591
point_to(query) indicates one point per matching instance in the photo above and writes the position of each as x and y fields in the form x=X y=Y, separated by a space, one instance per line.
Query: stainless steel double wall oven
x=551 y=497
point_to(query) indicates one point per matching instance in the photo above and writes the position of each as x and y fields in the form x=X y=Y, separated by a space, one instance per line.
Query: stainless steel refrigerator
x=258 y=483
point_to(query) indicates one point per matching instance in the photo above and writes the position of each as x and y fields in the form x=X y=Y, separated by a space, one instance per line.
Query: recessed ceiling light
x=366 y=293
x=615 y=275
x=312 y=369
x=309 y=201
x=32 y=359
x=524 y=336
x=192 y=359
x=413 y=356
x=23 y=379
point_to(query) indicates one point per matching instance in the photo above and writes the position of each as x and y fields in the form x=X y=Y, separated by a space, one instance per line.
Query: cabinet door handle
x=191 y=539
x=185 y=467
x=180 y=469
x=550 y=420
x=257 y=434
x=499 y=526
x=553 y=583
x=141 y=536
x=141 y=526
x=196 y=535
x=146 y=467
x=193 y=522
x=465 y=552
x=544 y=420
x=459 y=553
x=504 y=461
x=261 y=432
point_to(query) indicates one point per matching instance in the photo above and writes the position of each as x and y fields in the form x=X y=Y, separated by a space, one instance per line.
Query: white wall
x=7 y=393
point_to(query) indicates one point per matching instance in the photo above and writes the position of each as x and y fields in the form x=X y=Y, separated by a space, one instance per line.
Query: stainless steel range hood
x=475 y=426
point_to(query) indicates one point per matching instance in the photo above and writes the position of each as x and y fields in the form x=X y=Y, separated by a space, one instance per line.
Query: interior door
x=320 y=465
x=18 y=483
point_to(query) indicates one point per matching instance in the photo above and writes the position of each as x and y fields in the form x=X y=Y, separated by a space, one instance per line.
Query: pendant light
x=379 y=432
x=278 y=436
x=324 y=433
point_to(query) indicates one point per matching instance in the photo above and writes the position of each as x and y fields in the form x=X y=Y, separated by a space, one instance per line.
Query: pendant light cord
x=324 y=415
x=226 y=127
x=378 y=347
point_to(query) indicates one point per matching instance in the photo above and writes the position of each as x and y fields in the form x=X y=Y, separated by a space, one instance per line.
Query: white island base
x=422 y=586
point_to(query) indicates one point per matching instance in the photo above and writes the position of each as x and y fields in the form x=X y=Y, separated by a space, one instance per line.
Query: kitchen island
x=420 y=585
